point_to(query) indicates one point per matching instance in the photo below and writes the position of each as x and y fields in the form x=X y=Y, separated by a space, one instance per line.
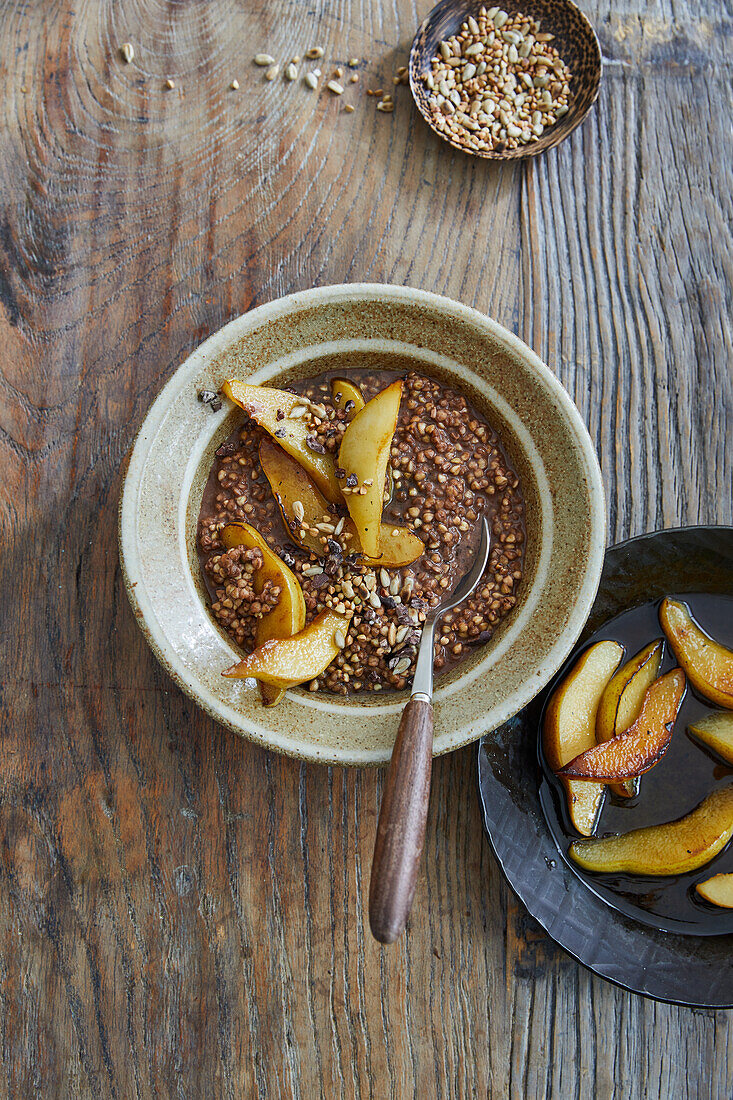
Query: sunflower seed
x=291 y=72
x=339 y=526
x=392 y=634
x=312 y=570
x=374 y=600
x=335 y=87
x=234 y=85
x=314 y=52
x=264 y=59
x=272 y=72
x=311 y=80
x=339 y=639
x=127 y=52
x=394 y=586
x=402 y=666
x=297 y=411
x=384 y=578
x=298 y=511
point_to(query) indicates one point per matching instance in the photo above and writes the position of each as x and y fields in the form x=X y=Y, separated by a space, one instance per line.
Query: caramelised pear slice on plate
x=670 y=849
x=306 y=515
x=288 y=615
x=569 y=727
x=363 y=456
x=708 y=664
x=716 y=731
x=621 y=702
x=642 y=745
x=718 y=890
x=272 y=410
x=344 y=392
x=286 y=662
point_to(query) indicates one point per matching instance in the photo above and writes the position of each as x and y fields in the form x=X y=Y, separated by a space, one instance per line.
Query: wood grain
x=182 y=914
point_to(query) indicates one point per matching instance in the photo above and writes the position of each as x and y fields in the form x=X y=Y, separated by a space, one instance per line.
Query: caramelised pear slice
x=364 y=455
x=718 y=890
x=286 y=662
x=621 y=702
x=271 y=409
x=569 y=727
x=303 y=509
x=343 y=392
x=643 y=744
x=708 y=664
x=716 y=731
x=670 y=849
x=288 y=615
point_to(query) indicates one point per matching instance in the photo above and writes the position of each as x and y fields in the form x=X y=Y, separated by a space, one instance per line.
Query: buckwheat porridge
x=445 y=467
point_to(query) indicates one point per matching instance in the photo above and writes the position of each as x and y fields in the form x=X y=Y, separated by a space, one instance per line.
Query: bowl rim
x=522 y=152
x=218 y=342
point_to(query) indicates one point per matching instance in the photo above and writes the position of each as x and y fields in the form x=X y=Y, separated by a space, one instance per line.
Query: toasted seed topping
x=339 y=639
x=298 y=510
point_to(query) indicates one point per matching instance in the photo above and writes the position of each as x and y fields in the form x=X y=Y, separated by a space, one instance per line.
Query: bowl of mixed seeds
x=505 y=82
x=309 y=484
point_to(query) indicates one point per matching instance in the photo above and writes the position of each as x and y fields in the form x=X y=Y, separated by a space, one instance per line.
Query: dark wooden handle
x=401 y=828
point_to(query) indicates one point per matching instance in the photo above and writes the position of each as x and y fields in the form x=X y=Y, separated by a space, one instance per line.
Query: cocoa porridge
x=446 y=468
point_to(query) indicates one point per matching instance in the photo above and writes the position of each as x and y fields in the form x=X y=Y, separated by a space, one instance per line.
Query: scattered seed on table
x=234 y=85
x=354 y=78
x=312 y=81
x=314 y=52
x=353 y=62
x=338 y=73
x=335 y=87
x=127 y=52
x=291 y=72
x=264 y=59
x=170 y=84
x=272 y=72
x=349 y=109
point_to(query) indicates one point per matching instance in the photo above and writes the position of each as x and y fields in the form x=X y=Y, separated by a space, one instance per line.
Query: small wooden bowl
x=575 y=41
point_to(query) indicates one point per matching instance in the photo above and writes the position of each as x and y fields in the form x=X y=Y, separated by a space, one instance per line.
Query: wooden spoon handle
x=401 y=828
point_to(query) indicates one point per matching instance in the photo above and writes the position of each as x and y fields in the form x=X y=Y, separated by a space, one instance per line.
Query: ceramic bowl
x=576 y=42
x=374 y=326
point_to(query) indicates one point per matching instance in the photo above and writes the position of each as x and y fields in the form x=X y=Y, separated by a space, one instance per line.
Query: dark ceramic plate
x=683 y=969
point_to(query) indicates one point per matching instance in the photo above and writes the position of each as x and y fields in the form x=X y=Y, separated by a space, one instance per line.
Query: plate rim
x=617 y=917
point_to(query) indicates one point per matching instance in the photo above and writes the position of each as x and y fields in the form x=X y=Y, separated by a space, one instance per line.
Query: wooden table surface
x=182 y=914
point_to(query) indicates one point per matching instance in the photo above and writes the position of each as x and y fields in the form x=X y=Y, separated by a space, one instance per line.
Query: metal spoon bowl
x=403 y=813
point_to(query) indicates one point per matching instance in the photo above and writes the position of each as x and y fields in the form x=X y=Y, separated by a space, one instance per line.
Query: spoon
x=404 y=809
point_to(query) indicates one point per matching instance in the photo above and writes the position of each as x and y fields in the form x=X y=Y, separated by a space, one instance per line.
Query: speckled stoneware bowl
x=372 y=326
